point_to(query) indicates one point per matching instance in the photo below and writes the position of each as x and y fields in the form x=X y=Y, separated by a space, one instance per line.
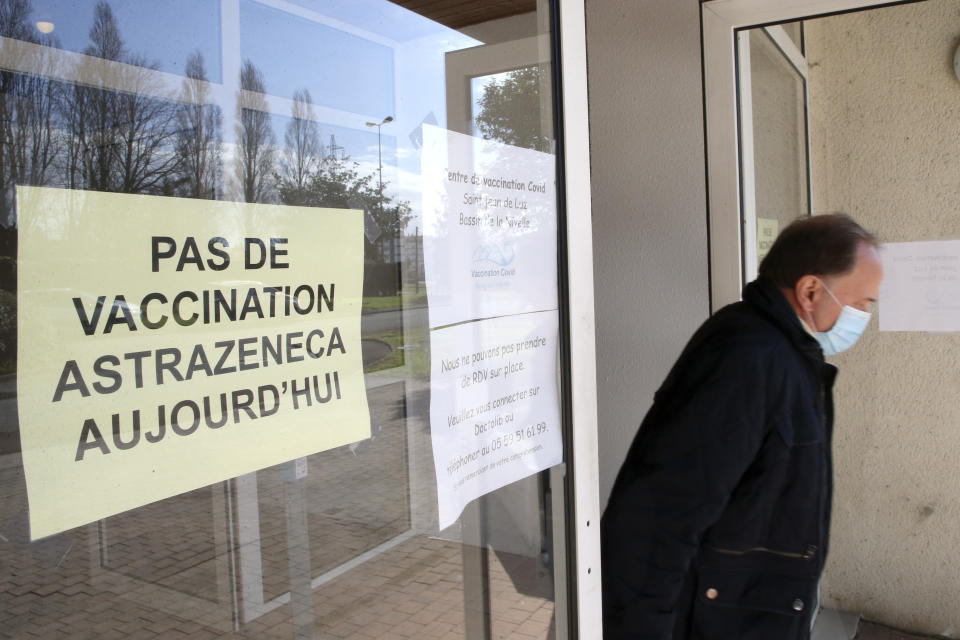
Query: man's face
x=859 y=289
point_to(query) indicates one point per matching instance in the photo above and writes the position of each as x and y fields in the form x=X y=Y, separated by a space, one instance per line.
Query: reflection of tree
x=337 y=183
x=29 y=136
x=121 y=137
x=255 y=152
x=390 y=217
x=28 y=141
x=309 y=178
x=303 y=148
x=510 y=110
x=334 y=182
x=92 y=136
x=13 y=19
x=197 y=146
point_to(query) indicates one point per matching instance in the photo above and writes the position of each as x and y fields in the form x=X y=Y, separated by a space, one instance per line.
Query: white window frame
x=721 y=19
x=583 y=455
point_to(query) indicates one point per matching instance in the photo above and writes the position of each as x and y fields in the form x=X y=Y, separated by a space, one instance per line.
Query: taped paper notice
x=767 y=231
x=490 y=256
x=495 y=411
x=490 y=230
x=921 y=286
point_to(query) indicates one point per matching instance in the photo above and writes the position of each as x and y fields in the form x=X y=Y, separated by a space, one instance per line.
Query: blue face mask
x=845 y=331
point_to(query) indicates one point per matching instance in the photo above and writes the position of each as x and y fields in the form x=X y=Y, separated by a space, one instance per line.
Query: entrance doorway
x=879 y=93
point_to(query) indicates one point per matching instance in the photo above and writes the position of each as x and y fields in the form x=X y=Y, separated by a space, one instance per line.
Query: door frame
x=720 y=22
x=577 y=319
x=582 y=591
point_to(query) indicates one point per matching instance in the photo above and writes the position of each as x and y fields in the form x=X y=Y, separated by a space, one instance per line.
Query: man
x=718 y=522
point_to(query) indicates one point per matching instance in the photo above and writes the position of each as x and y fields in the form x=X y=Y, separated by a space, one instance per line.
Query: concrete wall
x=885 y=110
x=649 y=204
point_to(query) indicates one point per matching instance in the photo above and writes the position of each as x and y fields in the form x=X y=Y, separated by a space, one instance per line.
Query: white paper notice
x=494 y=409
x=921 y=286
x=490 y=232
x=767 y=230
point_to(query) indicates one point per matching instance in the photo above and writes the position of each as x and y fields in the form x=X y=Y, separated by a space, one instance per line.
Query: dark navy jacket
x=717 y=525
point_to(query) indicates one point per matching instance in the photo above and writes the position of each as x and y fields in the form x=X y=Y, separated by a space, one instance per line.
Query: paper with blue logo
x=490 y=259
x=489 y=228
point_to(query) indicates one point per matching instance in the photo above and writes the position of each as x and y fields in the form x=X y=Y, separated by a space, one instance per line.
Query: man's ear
x=807 y=290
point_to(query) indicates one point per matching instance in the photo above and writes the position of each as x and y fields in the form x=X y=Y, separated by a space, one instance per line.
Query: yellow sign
x=167 y=344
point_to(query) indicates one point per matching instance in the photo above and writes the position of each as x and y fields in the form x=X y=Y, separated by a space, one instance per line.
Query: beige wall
x=885 y=134
x=649 y=205
x=885 y=111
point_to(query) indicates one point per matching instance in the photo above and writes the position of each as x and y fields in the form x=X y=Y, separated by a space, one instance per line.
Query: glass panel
x=513 y=97
x=779 y=135
x=278 y=322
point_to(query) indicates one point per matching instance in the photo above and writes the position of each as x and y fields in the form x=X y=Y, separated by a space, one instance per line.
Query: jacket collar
x=765 y=296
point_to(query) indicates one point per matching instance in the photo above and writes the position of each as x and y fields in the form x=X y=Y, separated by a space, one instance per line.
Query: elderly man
x=718 y=523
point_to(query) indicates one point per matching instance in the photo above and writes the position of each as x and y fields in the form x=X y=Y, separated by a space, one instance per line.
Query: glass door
x=281 y=343
x=774 y=148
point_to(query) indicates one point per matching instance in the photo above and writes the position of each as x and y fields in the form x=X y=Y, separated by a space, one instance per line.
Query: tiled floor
x=265 y=557
x=836 y=625
x=414 y=590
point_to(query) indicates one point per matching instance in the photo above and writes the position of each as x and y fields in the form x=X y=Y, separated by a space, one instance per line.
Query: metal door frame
x=720 y=21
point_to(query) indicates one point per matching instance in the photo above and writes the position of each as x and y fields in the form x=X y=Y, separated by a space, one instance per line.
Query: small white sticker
x=301 y=468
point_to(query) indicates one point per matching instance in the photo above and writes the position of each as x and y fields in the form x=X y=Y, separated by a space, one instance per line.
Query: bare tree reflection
x=197 y=144
x=28 y=141
x=122 y=138
x=254 y=158
x=13 y=19
x=29 y=147
x=303 y=150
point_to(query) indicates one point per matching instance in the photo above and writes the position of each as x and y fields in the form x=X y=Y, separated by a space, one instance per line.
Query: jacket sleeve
x=704 y=430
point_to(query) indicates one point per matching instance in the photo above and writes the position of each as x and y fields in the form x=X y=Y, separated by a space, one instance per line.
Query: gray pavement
x=382 y=321
x=871 y=631
x=836 y=625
